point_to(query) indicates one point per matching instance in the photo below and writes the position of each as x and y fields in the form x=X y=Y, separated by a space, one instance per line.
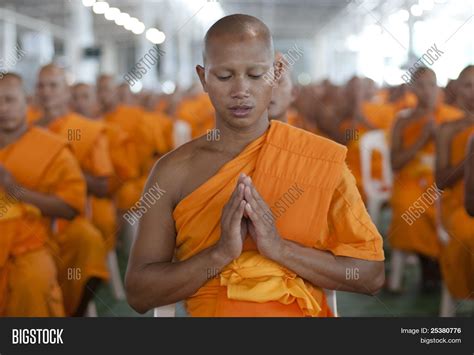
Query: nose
x=240 y=88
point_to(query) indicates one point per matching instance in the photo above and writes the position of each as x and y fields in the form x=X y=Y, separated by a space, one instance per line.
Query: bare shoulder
x=173 y=170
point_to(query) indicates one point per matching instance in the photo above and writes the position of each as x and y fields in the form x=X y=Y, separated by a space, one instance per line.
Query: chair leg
x=91 y=311
x=448 y=304
x=115 y=279
x=396 y=271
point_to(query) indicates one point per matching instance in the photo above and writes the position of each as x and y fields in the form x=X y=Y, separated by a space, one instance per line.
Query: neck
x=55 y=113
x=282 y=118
x=110 y=108
x=233 y=140
x=8 y=137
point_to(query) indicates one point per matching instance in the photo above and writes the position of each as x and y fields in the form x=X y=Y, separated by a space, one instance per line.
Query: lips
x=240 y=110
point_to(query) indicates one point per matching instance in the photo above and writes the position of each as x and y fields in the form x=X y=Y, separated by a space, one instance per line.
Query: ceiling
x=286 y=18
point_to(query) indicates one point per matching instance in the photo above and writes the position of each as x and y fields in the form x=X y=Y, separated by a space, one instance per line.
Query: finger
x=237 y=196
x=248 y=196
x=236 y=218
x=256 y=195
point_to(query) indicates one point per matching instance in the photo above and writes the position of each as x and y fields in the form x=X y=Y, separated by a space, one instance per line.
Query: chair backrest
x=165 y=311
x=371 y=142
x=443 y=235
x=331 y=299
x=171 y=309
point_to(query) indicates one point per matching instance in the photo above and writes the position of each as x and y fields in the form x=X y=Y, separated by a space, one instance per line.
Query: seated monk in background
x=413 y=227
x=261 y=220
x=39 y=179
x=123 y=157
x=81 y=245
x=146 y=137
x=457 y=257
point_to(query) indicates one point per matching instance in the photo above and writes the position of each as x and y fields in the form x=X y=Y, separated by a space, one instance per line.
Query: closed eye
x=224 y=78
x=255 y=76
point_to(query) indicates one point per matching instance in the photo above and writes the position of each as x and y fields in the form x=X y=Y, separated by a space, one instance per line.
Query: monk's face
x=282 y=97
x=52 y=89
x=106 y=92
x=125 y=95
x=465 y=90
x=235 y=75
x=12 y=104
x=426 y=90
x=84 y=100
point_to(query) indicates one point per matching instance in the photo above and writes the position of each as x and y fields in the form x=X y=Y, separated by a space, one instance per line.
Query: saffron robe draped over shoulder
x=41 y=162
x=305 y=182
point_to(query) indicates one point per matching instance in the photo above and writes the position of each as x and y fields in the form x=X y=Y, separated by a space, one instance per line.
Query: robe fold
x=306 y=184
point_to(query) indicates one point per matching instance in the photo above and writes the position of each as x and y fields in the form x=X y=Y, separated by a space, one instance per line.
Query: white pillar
x=81 y=29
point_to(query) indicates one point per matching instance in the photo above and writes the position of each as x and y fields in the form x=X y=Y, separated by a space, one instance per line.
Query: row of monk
x=74 y=160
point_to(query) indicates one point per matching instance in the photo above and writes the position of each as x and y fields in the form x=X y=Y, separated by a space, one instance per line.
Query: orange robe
x=41 y=162
x=33 y=114
x=413 y=222
x=198 y=112
x=81 y=244
x=327 y=213
x=102 y=211
x=132 y=120
x=457 y=257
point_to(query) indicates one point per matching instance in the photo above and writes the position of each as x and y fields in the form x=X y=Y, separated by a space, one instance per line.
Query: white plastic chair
x=448 y=303
x=377 y=191
x=170 y=310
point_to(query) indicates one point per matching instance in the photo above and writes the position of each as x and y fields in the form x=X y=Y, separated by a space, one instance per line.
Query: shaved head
x=53 y=90
x=239 y=28
x=238 y=72
x=12 y=102
x=84 y=100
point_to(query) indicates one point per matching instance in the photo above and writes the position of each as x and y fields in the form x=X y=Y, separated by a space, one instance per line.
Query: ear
x=201 y=72
x=277 y=71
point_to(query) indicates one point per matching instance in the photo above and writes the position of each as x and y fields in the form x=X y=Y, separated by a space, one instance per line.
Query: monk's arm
x=323 y=269
x=153 y=279
x=446 y=173
x=469 y=185
x=400 y=155
x=97 y=185
x=49 y=205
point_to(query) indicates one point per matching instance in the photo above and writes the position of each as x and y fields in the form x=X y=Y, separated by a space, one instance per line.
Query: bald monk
x=126 y=96
x=412 y=154
x=84 y=100
x=457 y=261
x=122 y=154
x=131 y=120
x=81 y=244
x=39 y=180
x=239 y=250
